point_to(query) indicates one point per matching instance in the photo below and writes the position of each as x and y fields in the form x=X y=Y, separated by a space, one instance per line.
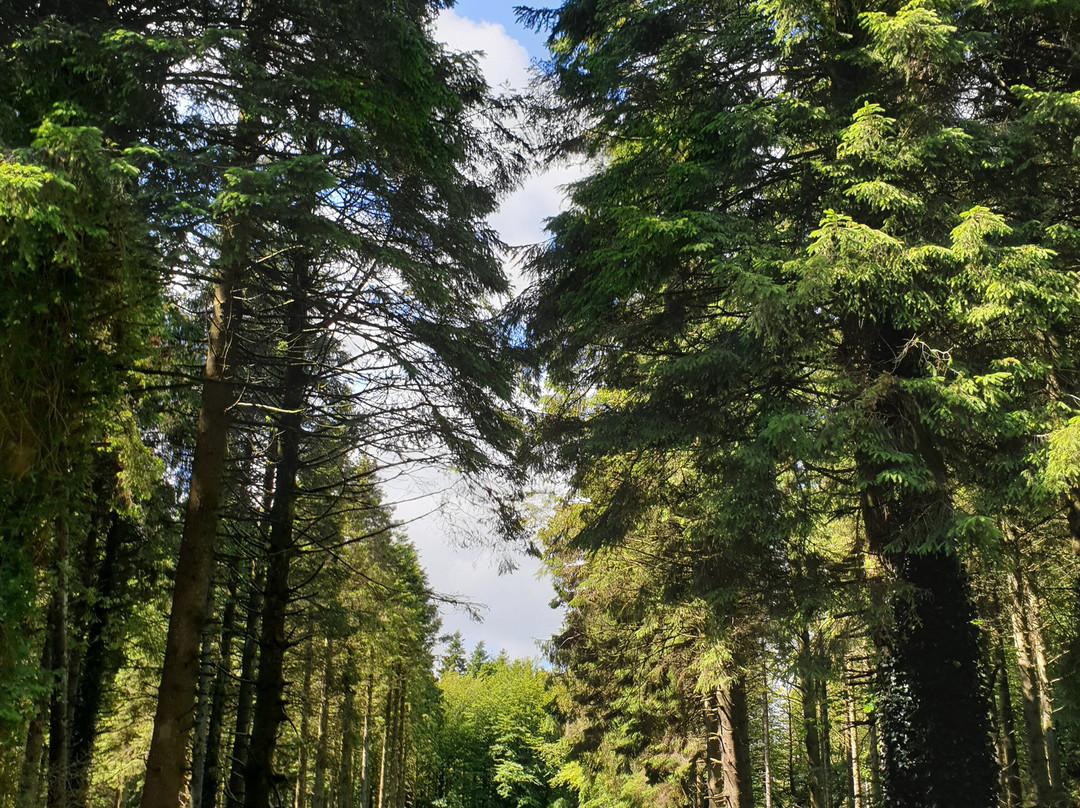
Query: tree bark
x=212 y=775
x=273 y=643
x=59 y=740
x=166 y=762
x=734 y=718
x=1043 y=765
x=345 y=791
x=245 y=697
x=1008 y=762
x=811 y=719
x=300 y=795
x=101 y=660
x=202 y=716
x=318 y=796
x=365 y=749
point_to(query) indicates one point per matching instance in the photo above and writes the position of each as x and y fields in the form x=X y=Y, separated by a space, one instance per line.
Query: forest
x=800 y=350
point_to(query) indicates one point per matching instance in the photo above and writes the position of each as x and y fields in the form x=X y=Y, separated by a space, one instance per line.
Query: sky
x=457 y=552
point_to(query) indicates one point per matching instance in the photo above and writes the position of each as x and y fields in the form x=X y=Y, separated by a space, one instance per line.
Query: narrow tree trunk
x=808 y=685
x=59 y=747
x=874 y=760
x=826 y=743
x=384 y=759
x=1006 y=731
x=270 y=683
x=365 y=749
x=767 y=769
x=318 y=796
x=345 y=766
x=300 y=795
x=101 y=662
x=202 y=716
x=402 y=738
x=212 y=776
x=853 y=752
x=245 y=697
x=1032 y=697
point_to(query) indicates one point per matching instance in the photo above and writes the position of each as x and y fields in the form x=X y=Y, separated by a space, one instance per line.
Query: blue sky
x=503 y=14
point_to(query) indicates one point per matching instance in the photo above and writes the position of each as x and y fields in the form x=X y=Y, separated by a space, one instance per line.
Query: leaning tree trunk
x=166 y=763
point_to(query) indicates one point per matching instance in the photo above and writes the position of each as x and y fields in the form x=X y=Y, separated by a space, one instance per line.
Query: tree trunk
x=59 y=744
x=1043 y=765
x=166 y=762
x=345 y=789
x=934 y=702
x=273 y=642
x=202 y=722
x=245 y=697
x=854 y=775
x=808 y=685
x=101 y=661
x=300 y=796
x=738 y=784
x=826 y=742
x=212 y=775
x=365 y=749
x=1006 y=731
x=766 y=774
x=384 y=760
x=318 y=796
x=29 y=793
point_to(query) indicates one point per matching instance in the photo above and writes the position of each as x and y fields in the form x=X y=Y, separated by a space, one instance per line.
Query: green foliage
x=498 y=740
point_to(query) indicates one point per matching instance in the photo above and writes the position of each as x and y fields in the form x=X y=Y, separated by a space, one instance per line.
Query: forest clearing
x=799 y=355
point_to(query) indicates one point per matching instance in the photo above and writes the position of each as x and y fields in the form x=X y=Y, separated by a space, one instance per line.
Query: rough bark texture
x=738 y=785
x=101 y=660
x=166 y=763
x=212 y=775
x=273 y=643
x=1008 y=762
x=1043 y=765
x=59 y=740
x=245 y=697
x=934 y=713
x=318 y=795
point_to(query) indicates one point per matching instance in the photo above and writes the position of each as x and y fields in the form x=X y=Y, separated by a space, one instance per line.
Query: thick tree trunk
x=935 y=708
x=166 y=762
x=738 y=784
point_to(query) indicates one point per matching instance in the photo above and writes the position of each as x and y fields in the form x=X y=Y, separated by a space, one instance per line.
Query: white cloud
x=503 y=59
x=518 y=614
